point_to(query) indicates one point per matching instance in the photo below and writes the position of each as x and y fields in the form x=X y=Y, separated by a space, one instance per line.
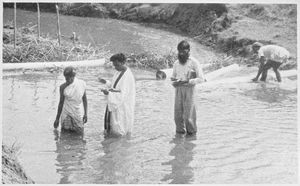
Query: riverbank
x=226 y=28
x=46 y=49
x=12 y=171
x=229 y=29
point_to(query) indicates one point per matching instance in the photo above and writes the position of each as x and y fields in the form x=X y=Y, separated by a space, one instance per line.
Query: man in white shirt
x=186 y=74
x=270 y=56
x=120 y=94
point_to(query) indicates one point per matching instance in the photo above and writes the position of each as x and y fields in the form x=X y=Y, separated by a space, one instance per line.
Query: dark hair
x=118 y=57
x=183 y=45
x=69 y=71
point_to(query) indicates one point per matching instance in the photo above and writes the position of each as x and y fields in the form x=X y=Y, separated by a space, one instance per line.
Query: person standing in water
x=270 y=56
x=120 y=95
x=186 y=74
x=72 y=107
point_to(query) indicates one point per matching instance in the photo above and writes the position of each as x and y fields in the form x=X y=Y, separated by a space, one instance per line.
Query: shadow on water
x=270 y=94
x=115 y=165
x=182 y=172
x=71 y=151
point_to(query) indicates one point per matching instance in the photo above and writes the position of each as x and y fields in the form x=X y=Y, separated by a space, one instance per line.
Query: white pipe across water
x=212 y=77
x=45 y=65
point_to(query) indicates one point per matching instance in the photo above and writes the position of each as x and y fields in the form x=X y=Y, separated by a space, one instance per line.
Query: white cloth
x=73 y=111
x=121 y=104
x=182 y=71
x=274 y=53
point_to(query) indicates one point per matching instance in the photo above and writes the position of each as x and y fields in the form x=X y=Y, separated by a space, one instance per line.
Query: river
x=247 y=132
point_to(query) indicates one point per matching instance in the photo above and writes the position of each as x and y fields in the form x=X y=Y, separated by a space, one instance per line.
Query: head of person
x=118 y=61
x=256 y=46
x=183 y=51
x=69 y=74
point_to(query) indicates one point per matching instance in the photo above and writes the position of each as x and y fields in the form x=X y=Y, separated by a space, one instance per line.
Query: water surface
x=247 y=133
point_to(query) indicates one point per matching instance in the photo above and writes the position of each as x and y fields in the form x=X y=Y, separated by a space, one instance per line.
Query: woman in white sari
x=72 y=107
x=120 y=94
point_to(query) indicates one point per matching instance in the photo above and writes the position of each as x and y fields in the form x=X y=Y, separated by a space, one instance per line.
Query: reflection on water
x=270 y=94
x=247 y=133
x=182 y=172
x=116 y=163
x=70 y=150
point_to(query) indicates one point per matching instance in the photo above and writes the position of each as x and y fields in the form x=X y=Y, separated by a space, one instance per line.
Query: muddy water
x=247 y=133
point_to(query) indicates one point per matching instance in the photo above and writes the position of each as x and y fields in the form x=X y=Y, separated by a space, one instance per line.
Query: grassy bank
x=12 y=171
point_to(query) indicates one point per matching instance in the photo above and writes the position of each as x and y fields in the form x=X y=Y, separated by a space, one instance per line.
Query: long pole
x=39 y=21
x=58 y=27
x=15 y=24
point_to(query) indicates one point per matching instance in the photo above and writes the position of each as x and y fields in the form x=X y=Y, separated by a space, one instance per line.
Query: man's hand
x=178 y=83
x=254 y=79
x=105 y=91
x=85 y=118
x=56 y=123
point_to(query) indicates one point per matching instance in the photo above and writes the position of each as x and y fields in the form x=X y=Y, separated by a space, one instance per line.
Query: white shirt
x=182 y=71
x=274 y=53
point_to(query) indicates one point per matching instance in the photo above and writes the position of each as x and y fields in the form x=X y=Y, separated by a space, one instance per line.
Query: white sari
x=73 y=111
x=119 y=116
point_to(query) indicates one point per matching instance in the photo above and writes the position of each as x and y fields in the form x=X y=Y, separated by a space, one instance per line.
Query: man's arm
x=60 y=104
x=261 y=67
x=84 y=100
x=199 y=73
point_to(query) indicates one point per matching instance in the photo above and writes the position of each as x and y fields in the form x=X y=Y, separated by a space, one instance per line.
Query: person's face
x=119 y=66
x=69 y=79
x=183 y=55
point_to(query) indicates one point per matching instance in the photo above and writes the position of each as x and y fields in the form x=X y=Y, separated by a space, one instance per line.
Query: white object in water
x=213 y=75
x=248 y=78
x=41 y=65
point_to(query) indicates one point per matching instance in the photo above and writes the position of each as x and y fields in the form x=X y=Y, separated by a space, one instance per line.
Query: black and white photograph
x=149 y=92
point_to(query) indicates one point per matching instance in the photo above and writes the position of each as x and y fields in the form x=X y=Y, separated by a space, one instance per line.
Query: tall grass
x=30 y=49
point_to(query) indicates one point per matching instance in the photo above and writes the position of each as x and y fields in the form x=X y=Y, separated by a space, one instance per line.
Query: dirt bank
x=227 y=28
x=12 y=171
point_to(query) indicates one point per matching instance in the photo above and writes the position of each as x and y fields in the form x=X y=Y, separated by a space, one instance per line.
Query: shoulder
x=63 y=86
x=176 y=63
x=194 y=62
x=129 y=71
x=81 y=81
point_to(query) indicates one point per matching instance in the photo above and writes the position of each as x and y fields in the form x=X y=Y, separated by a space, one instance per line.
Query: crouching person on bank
x=72 y=107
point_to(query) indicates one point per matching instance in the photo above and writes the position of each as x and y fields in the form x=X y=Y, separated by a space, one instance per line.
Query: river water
x=247 y=132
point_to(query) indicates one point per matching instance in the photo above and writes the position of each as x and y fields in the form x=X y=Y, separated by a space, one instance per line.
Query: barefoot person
x=120 y=94
x=270 y=56
x=186 y=74
x=72 y=107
